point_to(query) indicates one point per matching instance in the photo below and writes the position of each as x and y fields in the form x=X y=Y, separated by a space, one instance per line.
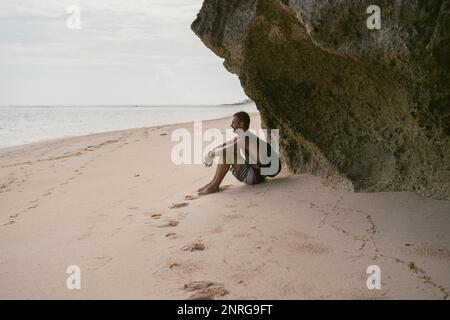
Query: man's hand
x=209 y=158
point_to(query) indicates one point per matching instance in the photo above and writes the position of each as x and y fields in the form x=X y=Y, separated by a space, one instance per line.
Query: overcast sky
x=127 y=52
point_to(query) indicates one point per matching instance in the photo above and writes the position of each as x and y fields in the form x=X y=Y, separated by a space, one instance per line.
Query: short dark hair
x=244 y=117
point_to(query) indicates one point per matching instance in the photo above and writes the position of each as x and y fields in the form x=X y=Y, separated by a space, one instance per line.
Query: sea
x=22 y=125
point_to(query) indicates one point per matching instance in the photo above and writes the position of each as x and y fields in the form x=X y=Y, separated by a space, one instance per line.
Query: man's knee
x=223 y=166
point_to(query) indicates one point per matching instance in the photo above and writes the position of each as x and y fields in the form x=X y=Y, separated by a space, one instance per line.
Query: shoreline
x=32 y=144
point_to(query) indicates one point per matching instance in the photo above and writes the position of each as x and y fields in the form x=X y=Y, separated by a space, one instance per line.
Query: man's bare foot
x=204 y=187
x=209 y=190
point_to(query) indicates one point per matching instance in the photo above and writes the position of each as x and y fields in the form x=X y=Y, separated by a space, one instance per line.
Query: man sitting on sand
x=245 y=168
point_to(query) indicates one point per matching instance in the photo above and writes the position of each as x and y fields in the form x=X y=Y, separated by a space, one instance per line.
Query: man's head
x=240 y=120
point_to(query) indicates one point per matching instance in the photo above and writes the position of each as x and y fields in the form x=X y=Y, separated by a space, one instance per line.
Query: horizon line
x=128 y=105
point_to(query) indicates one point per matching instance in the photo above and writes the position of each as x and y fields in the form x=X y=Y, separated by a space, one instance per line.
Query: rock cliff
x=369 y=110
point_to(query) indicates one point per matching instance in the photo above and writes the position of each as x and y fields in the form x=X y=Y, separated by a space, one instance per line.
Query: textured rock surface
x=368 y=109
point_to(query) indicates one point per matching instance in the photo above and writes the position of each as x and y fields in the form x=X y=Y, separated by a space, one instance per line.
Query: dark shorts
x=247 y=174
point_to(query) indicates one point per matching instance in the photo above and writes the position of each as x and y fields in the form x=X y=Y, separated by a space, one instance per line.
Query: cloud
x=158 y=10
x=119 y=34
x=143 y=24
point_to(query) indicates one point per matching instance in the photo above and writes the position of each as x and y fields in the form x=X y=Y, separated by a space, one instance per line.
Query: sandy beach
x=115 y=205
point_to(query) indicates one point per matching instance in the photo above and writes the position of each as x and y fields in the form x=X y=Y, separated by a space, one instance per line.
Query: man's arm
x=219 y=151
x=223 y=146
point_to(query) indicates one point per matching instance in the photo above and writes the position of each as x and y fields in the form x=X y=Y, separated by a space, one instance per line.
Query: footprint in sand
x=171 y=235
x=174 y=265
x=171 y=223
x=205 y=290
x=155 y=215
x=194 y=247
x=178 y=205
x=182 y=215
x=186 y=267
